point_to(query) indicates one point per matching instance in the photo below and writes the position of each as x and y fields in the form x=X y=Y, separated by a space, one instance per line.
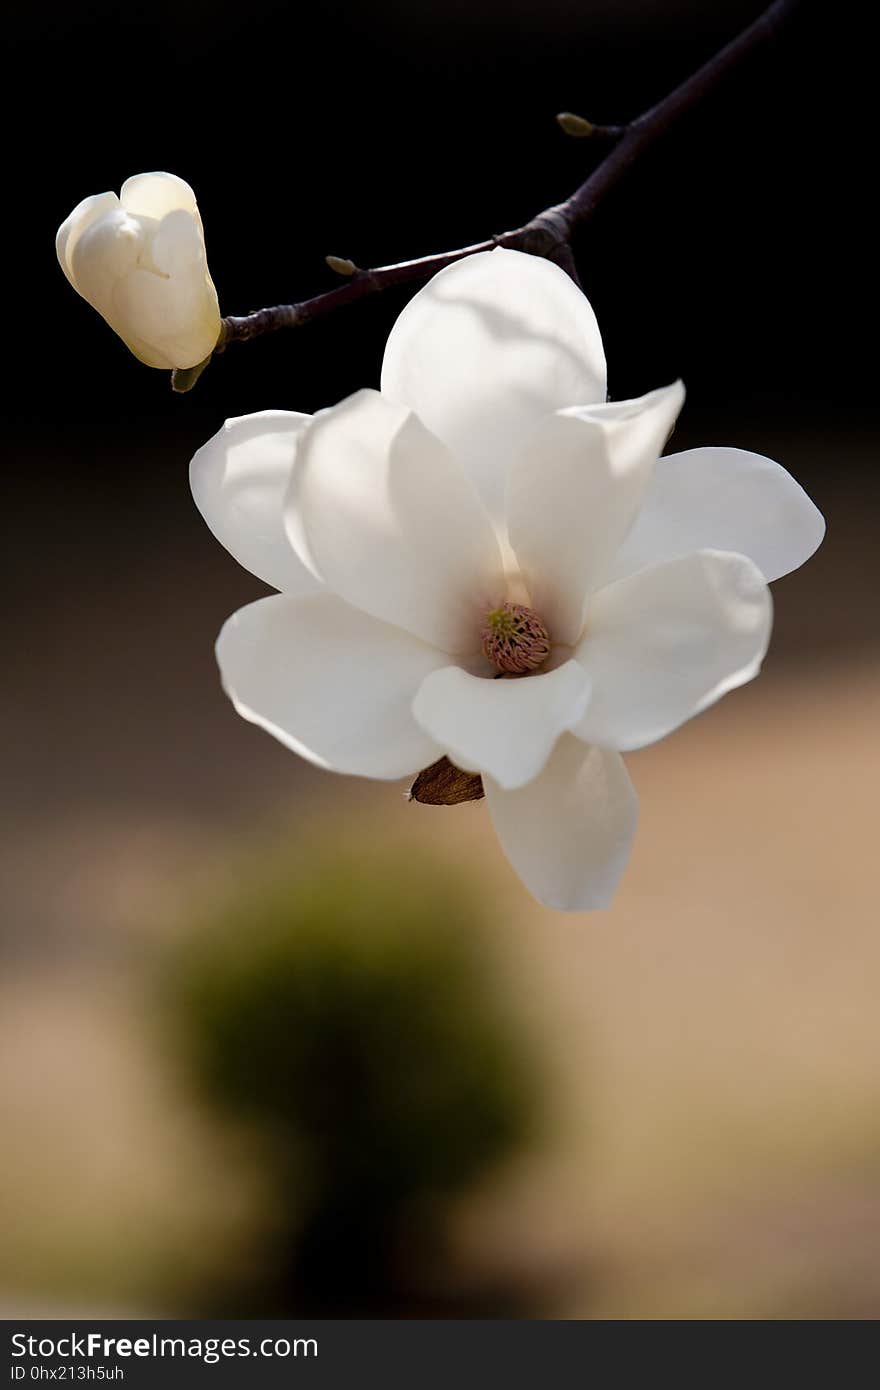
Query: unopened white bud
x=139 y=259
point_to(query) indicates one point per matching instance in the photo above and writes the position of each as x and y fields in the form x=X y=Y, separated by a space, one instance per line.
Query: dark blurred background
x=736 y=256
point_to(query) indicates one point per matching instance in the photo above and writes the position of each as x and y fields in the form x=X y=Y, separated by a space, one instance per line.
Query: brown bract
x=443 y=784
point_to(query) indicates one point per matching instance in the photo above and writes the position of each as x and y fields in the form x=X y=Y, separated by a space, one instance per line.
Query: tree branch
x=549 y=232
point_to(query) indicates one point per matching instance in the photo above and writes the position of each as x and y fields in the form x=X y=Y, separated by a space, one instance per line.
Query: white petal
x=723 y=499
x=572 y=493
x=384 y=515
x=102 y=252
x=239 y=480
x=504 y=727
x=144 y=314
x=178 y=245
x=667 y=642
x=169 y=301
x=487 y=348
x=568 y=834
x=72 y=228
x=329 y=682
x=155 y=195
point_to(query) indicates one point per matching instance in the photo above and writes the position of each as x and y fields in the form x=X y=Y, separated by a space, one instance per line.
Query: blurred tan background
x=706 y=1056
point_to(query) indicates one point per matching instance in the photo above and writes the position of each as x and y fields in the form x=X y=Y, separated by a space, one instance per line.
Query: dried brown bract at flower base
x=444 y=784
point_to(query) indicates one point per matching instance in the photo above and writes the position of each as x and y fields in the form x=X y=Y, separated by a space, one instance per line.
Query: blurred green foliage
x=350 y=1012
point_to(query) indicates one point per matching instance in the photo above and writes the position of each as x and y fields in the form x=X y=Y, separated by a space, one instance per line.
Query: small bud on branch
x=573 y=125
x=341 y=265
x=579 y=128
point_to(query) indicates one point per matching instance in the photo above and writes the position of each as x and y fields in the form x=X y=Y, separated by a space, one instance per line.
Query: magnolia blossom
x=488 y=561
x=139 y=259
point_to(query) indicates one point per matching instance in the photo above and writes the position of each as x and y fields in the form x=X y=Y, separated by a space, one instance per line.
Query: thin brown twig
x=547 y=234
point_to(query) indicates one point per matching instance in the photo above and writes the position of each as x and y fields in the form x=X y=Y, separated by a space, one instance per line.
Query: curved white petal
x=84 y=214
x=487 y=348
x=239 y=480
x=102 y=252
x=178 y=248
x=168 y=301
x=723 y=499
x=504 y=727
x=572 y=493
x=381 y=512
x=155 y=195
x=329 y=682
x=568 y=834
x=667 y=642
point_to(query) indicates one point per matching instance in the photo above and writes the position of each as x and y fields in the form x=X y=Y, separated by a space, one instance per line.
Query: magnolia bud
x=342 y=265
x=139 y=259
x=577 y=126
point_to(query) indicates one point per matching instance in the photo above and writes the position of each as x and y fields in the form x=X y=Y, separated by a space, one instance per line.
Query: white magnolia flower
x=139 y=259
x=486 y=515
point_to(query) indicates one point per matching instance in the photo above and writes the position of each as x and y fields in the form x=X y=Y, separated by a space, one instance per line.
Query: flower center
x=514 y=639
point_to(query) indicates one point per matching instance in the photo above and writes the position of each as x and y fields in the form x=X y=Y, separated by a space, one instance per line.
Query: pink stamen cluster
x=514 y=639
